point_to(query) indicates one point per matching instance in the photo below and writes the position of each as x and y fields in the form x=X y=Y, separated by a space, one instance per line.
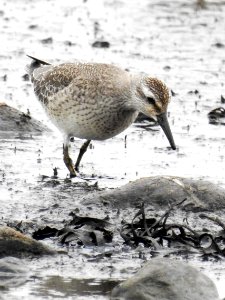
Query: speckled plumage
x=89 y=101
x=96 y=101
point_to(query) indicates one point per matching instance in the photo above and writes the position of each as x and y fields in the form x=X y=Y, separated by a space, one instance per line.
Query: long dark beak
x=163 y=122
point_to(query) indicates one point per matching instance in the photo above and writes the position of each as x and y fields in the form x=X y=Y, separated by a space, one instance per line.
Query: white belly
x=91 y=124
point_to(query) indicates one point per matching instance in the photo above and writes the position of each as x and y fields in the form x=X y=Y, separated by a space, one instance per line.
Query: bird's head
x=153 y=98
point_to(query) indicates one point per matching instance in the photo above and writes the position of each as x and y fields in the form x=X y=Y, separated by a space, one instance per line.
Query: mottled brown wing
x=49 y=80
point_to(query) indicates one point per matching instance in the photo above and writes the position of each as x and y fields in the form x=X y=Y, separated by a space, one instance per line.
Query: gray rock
x=165 y=279
x=14 y=243
x=13 y=120
x=13 y=272
x=160 y=191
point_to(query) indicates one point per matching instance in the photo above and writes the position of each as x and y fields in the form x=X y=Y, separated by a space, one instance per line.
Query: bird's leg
x=67 y=160
x=83 y=149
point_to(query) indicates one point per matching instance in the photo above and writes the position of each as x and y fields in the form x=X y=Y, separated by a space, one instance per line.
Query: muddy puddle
x=172 y=40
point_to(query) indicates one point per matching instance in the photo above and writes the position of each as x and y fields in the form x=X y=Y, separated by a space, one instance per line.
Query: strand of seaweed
x=158 y=233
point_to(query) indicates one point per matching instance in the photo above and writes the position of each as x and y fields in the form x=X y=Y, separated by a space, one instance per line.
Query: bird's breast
x=92 y=120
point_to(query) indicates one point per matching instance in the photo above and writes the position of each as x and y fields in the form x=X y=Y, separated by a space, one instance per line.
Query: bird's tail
x=36 y=63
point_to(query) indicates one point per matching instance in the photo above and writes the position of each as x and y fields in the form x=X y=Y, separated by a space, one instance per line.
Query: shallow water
x=168 y=39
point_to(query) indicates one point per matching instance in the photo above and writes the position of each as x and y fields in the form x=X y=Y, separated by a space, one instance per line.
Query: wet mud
x=174 y=40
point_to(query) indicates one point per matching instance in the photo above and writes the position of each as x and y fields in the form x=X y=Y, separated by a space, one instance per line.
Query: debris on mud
x=80 y=231
x=217 y=116
x=86 y=231
x=46 y=232
x=48 y=40
x=101 y=44
x=66 y=183
x=26 y=77
x=219 y=45
x=157 y=233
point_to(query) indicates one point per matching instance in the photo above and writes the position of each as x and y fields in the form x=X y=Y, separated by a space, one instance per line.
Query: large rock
x=13 y=120
x=165 y=279
x=160 y=191
x=14 y=243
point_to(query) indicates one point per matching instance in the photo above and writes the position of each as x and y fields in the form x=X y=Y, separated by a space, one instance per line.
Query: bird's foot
x=68 y=162
x=73 y=174
x=83 y=149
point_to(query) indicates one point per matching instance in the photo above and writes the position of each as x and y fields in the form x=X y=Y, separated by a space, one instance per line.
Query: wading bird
x=96 y=101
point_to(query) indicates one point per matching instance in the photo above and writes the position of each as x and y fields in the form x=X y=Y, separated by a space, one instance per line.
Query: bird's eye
x=151 y=100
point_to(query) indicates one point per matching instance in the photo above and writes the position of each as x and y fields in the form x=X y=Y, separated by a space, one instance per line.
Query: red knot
x=96 y=101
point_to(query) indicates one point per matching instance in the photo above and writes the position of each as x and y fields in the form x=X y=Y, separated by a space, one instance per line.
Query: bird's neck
x=135 y=84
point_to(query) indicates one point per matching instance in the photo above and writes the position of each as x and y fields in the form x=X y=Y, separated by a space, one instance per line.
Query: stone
x=13 y=121
x=165 y=279
x=101 y=44
x=13 y=243
x=48 y=40
x=161 y=191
